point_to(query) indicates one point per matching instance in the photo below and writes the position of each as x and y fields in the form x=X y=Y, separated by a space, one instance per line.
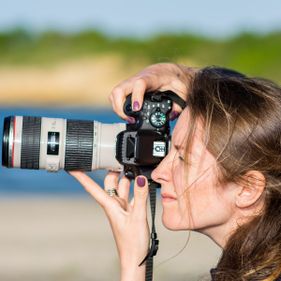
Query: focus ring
x=30 y=146
x=79 y=145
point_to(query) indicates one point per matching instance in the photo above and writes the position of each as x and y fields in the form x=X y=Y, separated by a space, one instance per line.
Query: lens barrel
x=55 y=143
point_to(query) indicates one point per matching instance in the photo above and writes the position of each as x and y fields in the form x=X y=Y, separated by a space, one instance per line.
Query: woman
x=221 y=177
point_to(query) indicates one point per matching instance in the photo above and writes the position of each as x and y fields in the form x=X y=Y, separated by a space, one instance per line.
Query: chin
x=169 y=222
x=168 y=225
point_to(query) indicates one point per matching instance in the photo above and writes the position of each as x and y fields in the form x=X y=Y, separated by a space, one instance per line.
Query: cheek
x=179 y=177
x=175 y=215
x=208 y=205
x=201 y=203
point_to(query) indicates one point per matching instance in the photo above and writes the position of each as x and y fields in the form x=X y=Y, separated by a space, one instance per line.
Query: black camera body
x=142 y=146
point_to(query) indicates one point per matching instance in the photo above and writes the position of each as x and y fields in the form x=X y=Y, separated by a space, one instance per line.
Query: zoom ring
x=30 y=146
x=79 y=145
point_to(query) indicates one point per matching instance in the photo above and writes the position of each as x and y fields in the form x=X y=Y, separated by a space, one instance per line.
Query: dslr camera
x=55 y=143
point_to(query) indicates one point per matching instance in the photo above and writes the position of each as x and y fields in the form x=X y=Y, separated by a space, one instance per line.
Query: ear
x=251 y=189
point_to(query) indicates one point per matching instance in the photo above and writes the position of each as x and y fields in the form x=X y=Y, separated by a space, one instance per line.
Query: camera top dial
x=154 y=114
x=158 y=118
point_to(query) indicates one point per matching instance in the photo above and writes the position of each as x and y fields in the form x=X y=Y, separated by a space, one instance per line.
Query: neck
x=217 y=235
x=221 y=233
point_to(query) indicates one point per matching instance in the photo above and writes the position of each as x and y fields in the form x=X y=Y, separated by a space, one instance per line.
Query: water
x=26 y=182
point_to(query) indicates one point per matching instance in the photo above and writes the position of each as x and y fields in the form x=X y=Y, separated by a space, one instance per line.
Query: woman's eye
x=184 y=160
x=181 y=158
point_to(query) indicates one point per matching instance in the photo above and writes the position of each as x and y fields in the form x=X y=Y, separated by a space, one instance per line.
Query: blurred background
x=61 y=59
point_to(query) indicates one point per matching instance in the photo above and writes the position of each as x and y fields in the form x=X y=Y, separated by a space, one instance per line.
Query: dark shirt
x=213 y=271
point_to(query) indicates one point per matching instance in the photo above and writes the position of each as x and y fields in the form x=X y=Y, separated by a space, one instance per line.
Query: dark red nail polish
x=141 y=181
x=174 y=115
x=131 y=120
x=136 y=105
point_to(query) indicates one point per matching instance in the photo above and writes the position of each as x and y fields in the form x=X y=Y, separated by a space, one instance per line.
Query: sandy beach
x=80 y=82
x=52 y=238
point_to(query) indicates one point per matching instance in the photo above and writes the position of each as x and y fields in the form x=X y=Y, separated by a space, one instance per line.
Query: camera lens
x=55 y=143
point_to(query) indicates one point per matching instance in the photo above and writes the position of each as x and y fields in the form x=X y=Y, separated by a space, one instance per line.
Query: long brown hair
x=242 y=122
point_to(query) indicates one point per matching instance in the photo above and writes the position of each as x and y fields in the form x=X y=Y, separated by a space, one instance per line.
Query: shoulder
x=213 y=271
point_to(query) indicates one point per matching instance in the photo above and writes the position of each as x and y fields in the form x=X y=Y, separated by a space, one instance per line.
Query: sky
x=141 y=18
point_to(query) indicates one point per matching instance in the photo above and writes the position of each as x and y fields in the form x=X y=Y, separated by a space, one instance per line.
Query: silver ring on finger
x=112 y=192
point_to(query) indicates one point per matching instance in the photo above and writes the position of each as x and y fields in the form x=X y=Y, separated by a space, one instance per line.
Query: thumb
x=140 y=196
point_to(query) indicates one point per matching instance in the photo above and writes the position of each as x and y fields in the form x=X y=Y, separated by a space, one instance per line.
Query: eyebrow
x=178 y=147
x=175 y=143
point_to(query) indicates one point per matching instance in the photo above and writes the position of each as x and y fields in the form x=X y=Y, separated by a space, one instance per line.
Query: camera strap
x=175 y=98
x=153 y=236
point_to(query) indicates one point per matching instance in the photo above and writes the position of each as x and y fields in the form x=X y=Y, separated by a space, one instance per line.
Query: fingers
x=92 y=187
x=140 y=197
x=135 y=86
x=138 y=203
x=163 y=76
x=123 y=185
x=111 y=180
x=176 y=110
x=139 y=89
x=117 y=98
x=124 y=188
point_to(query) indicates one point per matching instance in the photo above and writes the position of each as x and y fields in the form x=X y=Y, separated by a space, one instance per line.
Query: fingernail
x=131 y=120
x=141 y=181
x=136 y=105
x=174 y=115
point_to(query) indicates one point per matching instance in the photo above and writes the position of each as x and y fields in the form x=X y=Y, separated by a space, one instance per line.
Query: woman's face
x=191 y=196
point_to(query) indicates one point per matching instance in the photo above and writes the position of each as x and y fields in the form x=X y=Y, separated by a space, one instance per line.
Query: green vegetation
x=254 y=54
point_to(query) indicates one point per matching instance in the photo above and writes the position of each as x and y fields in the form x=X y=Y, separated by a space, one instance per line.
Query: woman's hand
x=162 y=77
x=128 y=220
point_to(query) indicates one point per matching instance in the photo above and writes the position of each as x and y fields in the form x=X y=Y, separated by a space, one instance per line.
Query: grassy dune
x=52 y=68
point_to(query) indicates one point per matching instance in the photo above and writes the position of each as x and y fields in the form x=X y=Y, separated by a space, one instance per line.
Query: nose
x=163 y=172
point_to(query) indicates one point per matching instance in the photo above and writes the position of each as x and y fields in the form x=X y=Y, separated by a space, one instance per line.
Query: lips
x=168 y=196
